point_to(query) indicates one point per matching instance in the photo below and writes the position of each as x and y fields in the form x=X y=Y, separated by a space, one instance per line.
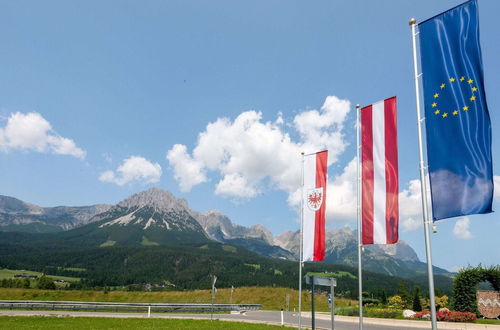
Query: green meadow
x=270 y=298
x=84 y=323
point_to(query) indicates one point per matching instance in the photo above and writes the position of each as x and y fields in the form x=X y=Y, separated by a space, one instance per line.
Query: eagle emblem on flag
x=314 y=198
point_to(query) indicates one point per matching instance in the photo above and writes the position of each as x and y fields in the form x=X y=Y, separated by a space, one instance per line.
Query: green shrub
x=417 y=306
x=465 y=285
x=370 y=312
x=46 y=283
x=396 y=302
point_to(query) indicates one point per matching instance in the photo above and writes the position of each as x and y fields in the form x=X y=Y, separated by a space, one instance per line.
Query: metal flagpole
x=358 y=216
x=301 y=234
x=423 y=185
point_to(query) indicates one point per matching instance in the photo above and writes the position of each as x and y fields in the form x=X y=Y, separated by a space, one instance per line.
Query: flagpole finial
x=302 y=153
x=357 y=106
x=412 y=22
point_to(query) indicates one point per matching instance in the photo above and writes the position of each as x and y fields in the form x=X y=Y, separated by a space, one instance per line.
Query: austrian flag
x=379 y=166
x=314 y=206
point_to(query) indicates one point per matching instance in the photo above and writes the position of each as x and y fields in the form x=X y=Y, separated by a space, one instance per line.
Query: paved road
x=273 y=317
x=270 y=317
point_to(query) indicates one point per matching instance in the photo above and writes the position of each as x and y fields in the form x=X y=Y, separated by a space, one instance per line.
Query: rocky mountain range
x=16 y=215
x=157 y=217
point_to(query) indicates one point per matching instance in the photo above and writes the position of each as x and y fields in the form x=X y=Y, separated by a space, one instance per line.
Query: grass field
x=9 y=273
x=76 y=323
x=269 y=298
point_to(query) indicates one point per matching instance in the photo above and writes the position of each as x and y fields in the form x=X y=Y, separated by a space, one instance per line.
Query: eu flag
x=457 y=121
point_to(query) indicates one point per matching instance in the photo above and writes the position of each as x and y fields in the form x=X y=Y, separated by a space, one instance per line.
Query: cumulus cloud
x=252 y=155
x=134 y=168
x=187 y=171
x=342 y=199
x=32 y=132
x=461 y=229
x=342 y=194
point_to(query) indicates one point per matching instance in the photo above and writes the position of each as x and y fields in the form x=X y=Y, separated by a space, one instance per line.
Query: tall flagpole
x=301 y=237
x=423 y=185
x=358 y=216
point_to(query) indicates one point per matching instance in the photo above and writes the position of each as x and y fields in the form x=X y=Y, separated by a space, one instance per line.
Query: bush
x=370 y=312
x=444 y=314
x=465 y=285
x=417 y=305
x=422 y=315
x=396 y=302
x=441 y=302
x=455 y=316
x=46 y=283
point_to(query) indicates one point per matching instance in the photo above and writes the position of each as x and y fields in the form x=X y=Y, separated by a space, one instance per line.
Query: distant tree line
x=187 y=267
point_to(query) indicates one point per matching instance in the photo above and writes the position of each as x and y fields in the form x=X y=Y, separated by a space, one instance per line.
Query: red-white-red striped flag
x=379 y=154
x=314 y=206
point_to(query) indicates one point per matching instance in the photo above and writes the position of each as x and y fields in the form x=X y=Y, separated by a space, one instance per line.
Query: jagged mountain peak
x=159 y=199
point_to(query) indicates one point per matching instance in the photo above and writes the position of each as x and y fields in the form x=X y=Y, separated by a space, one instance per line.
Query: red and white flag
x=379 y=154
x=314 y=206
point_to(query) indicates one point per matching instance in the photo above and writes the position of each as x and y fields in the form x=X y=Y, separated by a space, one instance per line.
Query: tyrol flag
x=457 y=121
x=314 y=206
x=379 y=171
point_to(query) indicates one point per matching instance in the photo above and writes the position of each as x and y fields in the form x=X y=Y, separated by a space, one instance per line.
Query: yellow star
x=474 y=89
x=434 y=104
x=437 y=112
x=445 y=115
x=455 y=112
x=452 y=79
x=436 y=95
x=465 y=108
x=470 y=81
x=442 y=86
x=462 y=78
x=472 y=98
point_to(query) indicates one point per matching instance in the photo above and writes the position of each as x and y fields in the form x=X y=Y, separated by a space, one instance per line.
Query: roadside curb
x=406 y=323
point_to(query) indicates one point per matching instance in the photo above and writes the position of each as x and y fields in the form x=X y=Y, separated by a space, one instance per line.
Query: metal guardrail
x=120 y=307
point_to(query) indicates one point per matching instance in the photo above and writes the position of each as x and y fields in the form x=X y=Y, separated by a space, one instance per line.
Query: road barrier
x=121 y=307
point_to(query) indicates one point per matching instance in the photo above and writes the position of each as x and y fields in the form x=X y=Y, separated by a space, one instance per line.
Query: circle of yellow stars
x=455 y=112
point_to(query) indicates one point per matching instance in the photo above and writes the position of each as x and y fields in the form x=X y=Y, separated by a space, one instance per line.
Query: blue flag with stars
x=457 y=121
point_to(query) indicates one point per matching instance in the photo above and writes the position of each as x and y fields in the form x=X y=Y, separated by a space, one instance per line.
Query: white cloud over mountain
x=252 y=155
x=32 y=132
x=133 y=169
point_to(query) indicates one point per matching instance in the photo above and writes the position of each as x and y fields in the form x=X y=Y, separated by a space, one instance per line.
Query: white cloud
x=342 y=200
x=410 y=224
x=134 y=168
x=235 y=185
x=252 y=155
x=342 y=195
x=187 y=171
x=496 y=180
x=32 y=132
x=323 y=129
x=410 y=206
x=461 y=228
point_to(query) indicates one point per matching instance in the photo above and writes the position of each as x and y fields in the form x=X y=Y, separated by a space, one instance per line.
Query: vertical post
x=358 y=215
x=214 y=279
x=231 y=297
x=332 y=306
x=301 y=234
x=282 y=318
x=313 y=321
x=423 y=183
x=149 y=311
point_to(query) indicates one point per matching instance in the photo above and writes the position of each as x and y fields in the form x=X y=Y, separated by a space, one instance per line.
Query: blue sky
x=213 y=100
